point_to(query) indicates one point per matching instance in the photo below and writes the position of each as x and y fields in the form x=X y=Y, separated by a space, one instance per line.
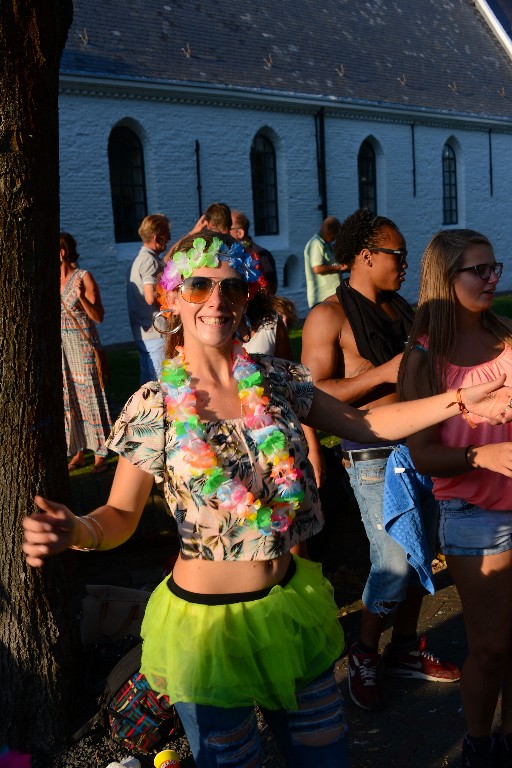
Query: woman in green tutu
x=243 y=620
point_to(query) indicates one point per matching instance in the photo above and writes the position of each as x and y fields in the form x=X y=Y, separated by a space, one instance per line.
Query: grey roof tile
x=426 y=54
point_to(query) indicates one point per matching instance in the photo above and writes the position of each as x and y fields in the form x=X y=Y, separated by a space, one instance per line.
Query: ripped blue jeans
x=314 y=734
x=390 y=574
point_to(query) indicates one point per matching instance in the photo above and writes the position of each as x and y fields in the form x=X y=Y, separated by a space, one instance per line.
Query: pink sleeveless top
x=487 y=489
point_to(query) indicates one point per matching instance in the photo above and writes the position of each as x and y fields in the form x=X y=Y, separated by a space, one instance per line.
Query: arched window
x=450 y=213
x=264 y=186
x=127 y=183
x=367 y=176
x=291 y=272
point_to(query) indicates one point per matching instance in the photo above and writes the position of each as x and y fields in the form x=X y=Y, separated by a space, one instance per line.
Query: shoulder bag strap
x=77 y=323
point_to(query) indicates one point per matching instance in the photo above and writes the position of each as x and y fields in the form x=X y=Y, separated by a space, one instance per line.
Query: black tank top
x=378 y=337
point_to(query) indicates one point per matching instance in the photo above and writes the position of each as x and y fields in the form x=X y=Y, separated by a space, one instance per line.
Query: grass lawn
x=502 y=305
x=125 y=374
x=296 y=341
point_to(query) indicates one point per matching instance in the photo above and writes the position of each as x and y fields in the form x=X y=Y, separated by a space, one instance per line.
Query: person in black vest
x=353 y=343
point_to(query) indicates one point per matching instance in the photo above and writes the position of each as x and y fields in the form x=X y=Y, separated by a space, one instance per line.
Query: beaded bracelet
x=92 y=532
x=462 y=408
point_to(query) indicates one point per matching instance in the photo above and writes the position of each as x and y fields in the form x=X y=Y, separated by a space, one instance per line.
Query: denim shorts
x=390 y=575
x=466 y=529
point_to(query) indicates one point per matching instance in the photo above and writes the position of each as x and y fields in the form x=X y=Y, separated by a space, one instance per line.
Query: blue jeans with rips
x=390 y=574
x=151 y=355
x=312 y=735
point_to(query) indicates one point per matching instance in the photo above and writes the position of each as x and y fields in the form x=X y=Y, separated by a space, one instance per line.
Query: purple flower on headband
x=171 y=276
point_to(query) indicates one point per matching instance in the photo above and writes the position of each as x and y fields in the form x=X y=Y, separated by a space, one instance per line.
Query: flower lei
x=181 y=406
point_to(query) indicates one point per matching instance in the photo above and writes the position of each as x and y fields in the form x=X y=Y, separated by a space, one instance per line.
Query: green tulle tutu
x=258 y=652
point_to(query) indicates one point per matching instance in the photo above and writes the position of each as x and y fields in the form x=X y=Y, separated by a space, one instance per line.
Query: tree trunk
x=37 y=611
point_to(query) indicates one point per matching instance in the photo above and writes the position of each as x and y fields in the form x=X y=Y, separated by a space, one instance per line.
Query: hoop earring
x=248 y=326
x=162 y=313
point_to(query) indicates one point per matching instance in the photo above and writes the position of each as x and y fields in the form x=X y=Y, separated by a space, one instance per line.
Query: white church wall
x=420 y=215
x=168 y=132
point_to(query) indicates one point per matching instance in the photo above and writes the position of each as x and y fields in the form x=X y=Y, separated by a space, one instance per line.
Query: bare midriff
x=210 y=577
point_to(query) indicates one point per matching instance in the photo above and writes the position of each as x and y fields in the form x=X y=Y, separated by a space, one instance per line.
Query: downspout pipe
x=198 y=178
x=320 y=160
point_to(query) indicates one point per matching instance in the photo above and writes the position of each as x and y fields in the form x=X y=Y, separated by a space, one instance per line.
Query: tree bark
x=36 y=606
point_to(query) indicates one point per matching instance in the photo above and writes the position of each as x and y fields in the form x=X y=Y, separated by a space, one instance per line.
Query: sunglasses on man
x=400 y=253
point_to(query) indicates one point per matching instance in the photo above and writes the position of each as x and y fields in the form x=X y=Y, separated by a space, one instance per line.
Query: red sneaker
x=418 y=663
x=362 y=679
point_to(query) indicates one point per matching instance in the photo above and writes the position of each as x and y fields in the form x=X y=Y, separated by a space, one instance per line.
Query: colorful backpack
x=137 y=717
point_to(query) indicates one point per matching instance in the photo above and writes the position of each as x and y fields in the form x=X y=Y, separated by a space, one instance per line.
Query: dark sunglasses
x=400 y=253
x=198 y=289
x=484 y=270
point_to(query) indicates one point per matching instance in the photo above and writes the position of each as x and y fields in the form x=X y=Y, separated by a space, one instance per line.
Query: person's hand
x=316 y=458
x=198 y=226
x=80 y=290
x=49 y=532
x=495 y=456
x=491 y=400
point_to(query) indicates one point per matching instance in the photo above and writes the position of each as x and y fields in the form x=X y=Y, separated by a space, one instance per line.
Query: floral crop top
x=144 y=435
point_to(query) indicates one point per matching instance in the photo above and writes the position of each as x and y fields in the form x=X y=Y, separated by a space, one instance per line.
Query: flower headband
x=181 y=264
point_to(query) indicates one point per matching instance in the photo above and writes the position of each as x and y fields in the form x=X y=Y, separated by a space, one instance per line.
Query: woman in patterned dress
x=242 y=620
x=86 y=413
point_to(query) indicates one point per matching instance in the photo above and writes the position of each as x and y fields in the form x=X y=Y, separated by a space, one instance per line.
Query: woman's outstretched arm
x=396 y=421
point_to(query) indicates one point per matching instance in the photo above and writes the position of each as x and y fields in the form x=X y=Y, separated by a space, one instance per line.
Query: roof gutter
x=495 y=25
x=282 y=101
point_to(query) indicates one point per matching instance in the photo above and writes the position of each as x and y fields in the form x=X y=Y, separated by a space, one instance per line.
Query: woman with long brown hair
x=456 y=341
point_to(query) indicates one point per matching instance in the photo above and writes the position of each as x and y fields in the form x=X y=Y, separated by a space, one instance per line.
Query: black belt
x=367 y=455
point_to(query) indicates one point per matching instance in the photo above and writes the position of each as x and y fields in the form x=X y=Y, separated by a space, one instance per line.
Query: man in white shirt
x=322 y=272
x=154 y=232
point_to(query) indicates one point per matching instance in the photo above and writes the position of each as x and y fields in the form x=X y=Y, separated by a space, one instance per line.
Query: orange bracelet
x=462 y=408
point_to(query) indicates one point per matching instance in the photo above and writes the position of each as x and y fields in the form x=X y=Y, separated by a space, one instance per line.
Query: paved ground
x=421 y=725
